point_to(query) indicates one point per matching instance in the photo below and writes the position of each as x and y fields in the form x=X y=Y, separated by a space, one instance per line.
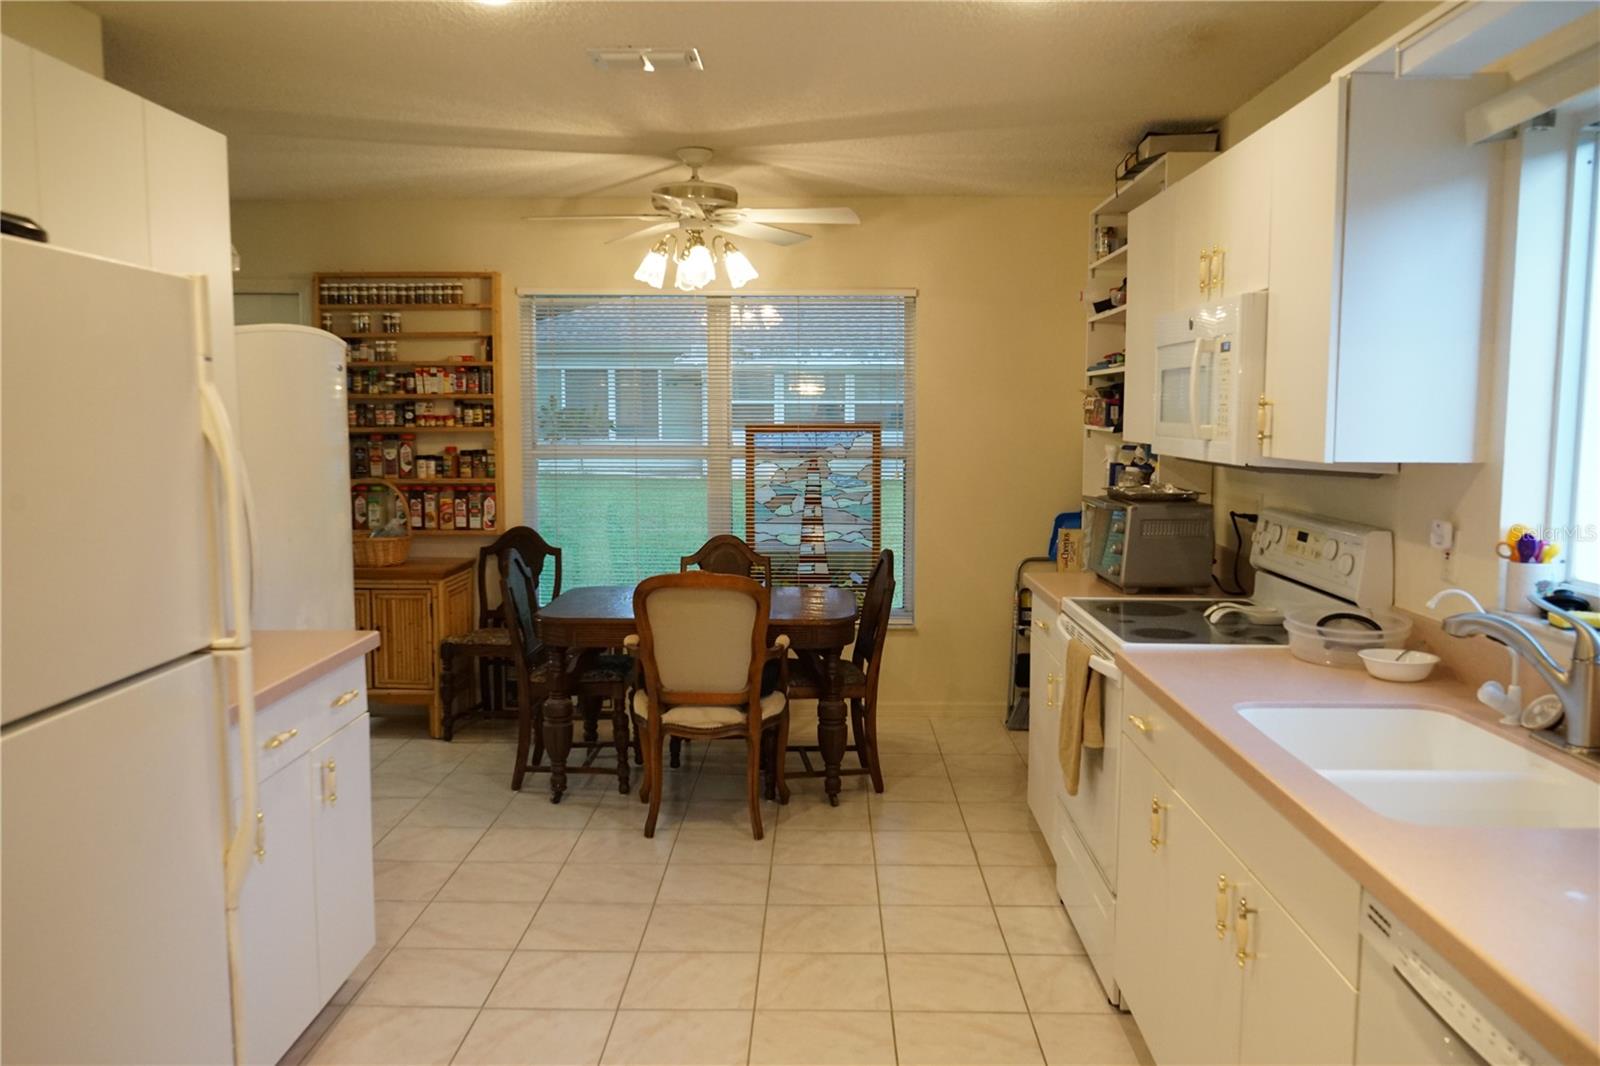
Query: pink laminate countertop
x=1053 y=587
x=1516 y=910
x=289 y=659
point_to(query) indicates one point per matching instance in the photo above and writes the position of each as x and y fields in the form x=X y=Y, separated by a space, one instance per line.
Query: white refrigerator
x=125 y=669
x=295 y=437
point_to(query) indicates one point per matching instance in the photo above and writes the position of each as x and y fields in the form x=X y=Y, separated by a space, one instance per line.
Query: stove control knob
x=1116 y=568
x=1271 y=532
x=1346 y=565
x=1118 y=527
x=1116 y=549
x=1330 y=548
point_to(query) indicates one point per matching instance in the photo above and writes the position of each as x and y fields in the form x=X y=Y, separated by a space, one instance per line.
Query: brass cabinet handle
x=1263 y=419
x=1155 y=824
x=278 y=740
x=1139 y=723
x=1222 y=906
x=1241 y=932
x=1205 y=272
x=1217 y=255
x=1039 y=625
x=330 y=783
x=1050 y=690
x=345 y=697
x=261 y=836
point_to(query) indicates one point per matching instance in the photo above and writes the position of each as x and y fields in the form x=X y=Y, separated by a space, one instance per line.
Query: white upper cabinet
x=1380 y=269
x=89 y=138
x=1365 y=216
x=19 y=161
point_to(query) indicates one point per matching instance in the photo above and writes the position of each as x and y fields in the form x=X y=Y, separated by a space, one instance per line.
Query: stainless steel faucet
x=1577 y=686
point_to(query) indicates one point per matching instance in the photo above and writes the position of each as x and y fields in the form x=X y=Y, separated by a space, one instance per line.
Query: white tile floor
x=919 y=926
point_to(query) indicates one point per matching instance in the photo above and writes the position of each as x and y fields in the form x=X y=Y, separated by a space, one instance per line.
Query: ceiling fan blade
x=804 y=216
x=589 y=218
x=648 y=231
x=756 y=231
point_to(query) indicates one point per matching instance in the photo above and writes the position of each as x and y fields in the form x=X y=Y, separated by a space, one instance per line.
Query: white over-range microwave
x=1210 y=368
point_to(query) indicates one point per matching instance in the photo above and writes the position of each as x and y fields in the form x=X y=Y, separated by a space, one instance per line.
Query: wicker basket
x=385 y=551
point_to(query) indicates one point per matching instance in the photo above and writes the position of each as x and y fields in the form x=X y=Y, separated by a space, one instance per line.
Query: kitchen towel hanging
x=1082 y=713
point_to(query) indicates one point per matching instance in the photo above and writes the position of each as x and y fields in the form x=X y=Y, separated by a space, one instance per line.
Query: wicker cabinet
x=414 y=606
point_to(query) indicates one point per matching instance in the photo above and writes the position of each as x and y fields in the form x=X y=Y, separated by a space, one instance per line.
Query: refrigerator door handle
x=233 y=648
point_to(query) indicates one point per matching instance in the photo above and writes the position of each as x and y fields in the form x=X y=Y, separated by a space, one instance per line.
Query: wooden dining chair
x=722 y=554
x=702 y=643
x=595 y=680
x=858 y=675
x=486 y=650
x=727 y=554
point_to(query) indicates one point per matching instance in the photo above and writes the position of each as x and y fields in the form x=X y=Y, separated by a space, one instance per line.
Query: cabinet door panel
x=457 y=614
x=1244 y=198
x=278 y=920
x=1296 y=1006
x=1204 y=977
x=1194 y=232
x=90 y=137
x=1151 y=266
x=1044 y=718
x=1307 y=163
x=1141 y=940
x=341 y=797
x=404 y=617
x=19 y=163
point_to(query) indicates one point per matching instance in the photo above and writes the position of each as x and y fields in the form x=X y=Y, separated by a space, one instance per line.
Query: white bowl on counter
x=1397 y=664
x=1337 y=636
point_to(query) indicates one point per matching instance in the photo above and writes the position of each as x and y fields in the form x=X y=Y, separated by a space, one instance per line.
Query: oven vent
x=1175 y=527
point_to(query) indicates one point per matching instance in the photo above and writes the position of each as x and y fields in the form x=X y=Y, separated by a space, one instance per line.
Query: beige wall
x=1300 y=82
x=999 y=354
x=55 y=27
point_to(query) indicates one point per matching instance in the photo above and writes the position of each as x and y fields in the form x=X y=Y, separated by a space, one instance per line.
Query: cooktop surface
x=1133 y=620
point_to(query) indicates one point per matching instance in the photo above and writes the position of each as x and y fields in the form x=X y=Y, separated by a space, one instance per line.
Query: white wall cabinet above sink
x=1367 y=219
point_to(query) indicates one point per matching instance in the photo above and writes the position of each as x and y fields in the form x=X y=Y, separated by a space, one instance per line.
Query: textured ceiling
x=334 y=100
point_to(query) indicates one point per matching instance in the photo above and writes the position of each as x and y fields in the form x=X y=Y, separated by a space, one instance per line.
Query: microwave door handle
x=1194 y=389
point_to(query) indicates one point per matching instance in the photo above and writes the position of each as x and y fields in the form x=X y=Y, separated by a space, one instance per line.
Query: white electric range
x=1300 y=560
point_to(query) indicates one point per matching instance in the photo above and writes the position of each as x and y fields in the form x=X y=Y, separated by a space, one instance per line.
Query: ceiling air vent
x=646 y=60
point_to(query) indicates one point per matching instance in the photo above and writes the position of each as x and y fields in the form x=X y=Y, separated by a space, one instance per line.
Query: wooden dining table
x=820 y=622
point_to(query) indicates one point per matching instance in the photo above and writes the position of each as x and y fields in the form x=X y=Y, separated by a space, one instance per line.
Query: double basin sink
x=1427 y=767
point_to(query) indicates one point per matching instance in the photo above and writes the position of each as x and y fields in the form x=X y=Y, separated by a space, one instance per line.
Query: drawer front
x=289 y=727
x=1148 y=728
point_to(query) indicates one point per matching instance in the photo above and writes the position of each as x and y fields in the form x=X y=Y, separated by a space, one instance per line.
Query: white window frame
x=1573 y=361
x=717 y=448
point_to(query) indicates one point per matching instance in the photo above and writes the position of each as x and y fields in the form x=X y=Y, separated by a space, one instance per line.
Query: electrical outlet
x=1441 y=534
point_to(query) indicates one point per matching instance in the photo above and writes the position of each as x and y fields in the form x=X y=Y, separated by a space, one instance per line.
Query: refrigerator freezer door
x=115 y=949
x=110 y=564
x=293 y=429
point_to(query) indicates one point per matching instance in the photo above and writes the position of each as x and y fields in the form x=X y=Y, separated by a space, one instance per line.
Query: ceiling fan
x=705 y=213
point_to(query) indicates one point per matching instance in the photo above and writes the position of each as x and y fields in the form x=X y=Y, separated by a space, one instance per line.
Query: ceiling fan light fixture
x=653 y=267
x=740 y=270
x=696 y=268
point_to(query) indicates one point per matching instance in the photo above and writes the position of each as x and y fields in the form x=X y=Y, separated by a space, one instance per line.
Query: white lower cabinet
x=1213 y=967
x=278 y=919
x=1046 y=681
x=341 y=768
x=306 y=914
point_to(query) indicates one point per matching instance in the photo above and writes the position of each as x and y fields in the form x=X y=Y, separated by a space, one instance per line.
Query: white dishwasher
x=1415 y=1009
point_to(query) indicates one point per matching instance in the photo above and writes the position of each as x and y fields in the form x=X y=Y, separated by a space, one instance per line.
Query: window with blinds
x=643 y=409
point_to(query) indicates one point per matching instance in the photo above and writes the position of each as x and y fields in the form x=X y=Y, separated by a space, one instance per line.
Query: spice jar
x=407 y=455
x=488 y=509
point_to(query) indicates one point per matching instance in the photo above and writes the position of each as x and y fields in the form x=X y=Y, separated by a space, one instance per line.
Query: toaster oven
x=1140 y=546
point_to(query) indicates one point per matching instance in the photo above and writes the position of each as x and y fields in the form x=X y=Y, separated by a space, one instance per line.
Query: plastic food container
x=1336 y=636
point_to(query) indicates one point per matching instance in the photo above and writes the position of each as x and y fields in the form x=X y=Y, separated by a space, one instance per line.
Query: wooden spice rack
x=430 y=326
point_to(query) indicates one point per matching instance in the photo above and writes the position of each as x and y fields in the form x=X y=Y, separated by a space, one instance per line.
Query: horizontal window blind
x=655 y=421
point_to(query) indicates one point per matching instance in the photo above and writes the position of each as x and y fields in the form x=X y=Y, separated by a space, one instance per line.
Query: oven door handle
x=1194 y=389
x=1106 y=668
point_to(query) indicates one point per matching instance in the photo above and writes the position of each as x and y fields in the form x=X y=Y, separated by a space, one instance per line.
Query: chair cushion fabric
x=496 y=637
x=804 y=684
x=694 y=716
x=702 y=638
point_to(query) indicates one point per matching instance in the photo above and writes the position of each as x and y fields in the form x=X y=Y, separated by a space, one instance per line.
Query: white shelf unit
x=1106 y=331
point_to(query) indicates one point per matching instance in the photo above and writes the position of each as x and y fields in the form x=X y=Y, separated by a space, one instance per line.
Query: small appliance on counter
x=1157 y=545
